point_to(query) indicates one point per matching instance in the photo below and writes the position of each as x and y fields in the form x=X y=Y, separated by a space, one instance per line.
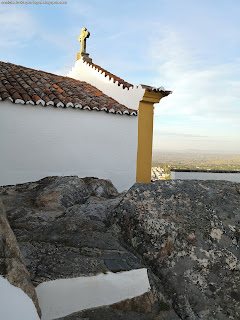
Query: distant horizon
x=196 y=160
x=189 y=151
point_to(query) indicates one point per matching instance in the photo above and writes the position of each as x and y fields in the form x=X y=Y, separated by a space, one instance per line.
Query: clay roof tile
x=25 y=85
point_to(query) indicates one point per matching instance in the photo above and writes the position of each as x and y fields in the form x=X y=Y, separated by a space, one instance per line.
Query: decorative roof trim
x=50 y=103
x=108 y=75
x=69 y=104
x=40 y=102
x=120 y=82
x=111 y=77
x=118 y=89
x=60 y=104
x=77 y=106
x=160 y=89
x=23 y=85
x=30 y=102
x=19 y=101
x=134 y=113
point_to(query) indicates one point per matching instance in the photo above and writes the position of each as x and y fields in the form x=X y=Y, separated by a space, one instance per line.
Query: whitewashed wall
x=15 y=304
x=128 y=97
x=37 y=141
x=62 y=297
x=234 y=177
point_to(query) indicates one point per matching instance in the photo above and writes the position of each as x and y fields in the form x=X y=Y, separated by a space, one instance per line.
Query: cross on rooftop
x=82 y=38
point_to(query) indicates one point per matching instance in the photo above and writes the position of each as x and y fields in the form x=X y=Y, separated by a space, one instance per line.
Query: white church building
x=90 y=123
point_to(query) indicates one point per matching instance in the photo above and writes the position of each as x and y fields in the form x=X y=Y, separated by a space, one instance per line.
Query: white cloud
x=16 y=26
x=204 y=110
x=206 y=91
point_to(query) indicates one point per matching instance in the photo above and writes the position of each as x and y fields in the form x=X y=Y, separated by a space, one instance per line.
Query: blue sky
x=191 y=47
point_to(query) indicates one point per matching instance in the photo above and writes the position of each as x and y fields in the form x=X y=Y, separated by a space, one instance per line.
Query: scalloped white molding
x=129 y=97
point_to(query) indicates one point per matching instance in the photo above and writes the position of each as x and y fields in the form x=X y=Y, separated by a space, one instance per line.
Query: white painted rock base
x=199 y=175
x=14 y=303
x=62 y=297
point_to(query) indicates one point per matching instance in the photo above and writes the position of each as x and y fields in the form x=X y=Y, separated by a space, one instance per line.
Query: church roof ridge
x=111 y=75
x=124 y=83
x=29 y=86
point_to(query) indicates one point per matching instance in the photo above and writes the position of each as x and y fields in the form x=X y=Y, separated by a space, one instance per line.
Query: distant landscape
x=194 y=160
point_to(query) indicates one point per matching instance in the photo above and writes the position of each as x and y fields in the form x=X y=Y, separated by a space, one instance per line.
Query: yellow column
x=145 y=134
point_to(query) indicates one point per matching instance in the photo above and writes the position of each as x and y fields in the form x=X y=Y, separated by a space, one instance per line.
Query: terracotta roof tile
x=24 y=85
x=160 y=89
x=5 y=95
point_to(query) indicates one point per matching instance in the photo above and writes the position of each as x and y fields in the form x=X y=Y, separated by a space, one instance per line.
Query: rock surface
x=185 y=232
x=111 y=313
x=188 y=234
x=60 y=227
x=12 y=265
x=63 y=230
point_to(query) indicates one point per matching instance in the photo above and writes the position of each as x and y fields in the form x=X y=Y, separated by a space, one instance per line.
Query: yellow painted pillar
x=145 y=134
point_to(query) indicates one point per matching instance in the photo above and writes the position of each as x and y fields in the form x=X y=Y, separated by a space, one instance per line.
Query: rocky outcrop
x=64 y=192
x=188 y=234
x=112 y=313
x=185 y=232
x=12 y=265
x=60 y=225
x=63 y=230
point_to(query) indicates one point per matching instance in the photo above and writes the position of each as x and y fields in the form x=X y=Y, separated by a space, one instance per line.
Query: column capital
x=153 y=96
